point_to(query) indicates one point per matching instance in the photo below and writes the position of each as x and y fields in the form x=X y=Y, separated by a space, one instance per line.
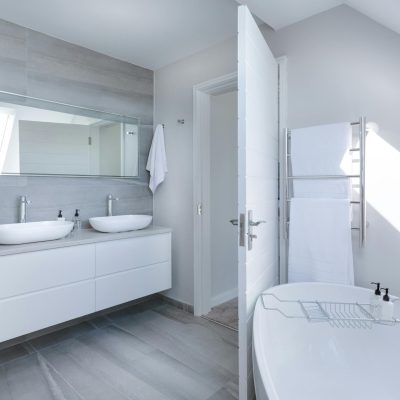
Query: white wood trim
x=201 y=129
x=258 y=156
x=283 y=112
x=201 y=165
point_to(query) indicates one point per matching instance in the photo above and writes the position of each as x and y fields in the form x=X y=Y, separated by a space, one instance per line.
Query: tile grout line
x=111 y=385
x=157 y=348
x=51 y=366
x=219 y=323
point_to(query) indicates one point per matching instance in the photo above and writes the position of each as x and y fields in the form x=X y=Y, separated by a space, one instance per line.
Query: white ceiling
x=386 y=12
x=281 y=13
x=149 y=33
x=154 y=33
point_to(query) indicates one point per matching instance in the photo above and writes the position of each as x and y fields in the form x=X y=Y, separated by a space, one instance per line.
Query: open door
x=257 y=182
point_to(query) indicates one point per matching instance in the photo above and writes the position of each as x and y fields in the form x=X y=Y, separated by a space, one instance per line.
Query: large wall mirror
x=39 y=137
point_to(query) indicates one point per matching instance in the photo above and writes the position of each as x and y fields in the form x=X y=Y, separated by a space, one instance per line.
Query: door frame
x=201 y=162
x=282 y=124
x=201 y=186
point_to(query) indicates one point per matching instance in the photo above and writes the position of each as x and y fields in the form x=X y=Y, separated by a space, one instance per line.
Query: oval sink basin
x=34 y=231
x=120 y=223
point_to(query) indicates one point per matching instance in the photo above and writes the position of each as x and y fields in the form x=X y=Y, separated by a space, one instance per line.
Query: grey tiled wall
x=40 y=66
x=48 y=195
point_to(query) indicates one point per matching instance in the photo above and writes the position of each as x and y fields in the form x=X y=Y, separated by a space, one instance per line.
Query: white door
x=257 y=182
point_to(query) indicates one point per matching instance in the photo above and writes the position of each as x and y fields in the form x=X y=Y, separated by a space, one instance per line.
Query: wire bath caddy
x=337 y=314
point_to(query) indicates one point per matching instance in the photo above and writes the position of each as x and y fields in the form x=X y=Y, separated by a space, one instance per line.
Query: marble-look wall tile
x=65 y=72
x=12 y=58
x=41 y=66
x=90 y=96
x=89 y=195
x=146 y=136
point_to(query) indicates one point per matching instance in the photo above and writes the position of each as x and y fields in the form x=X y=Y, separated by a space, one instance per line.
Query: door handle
x=234 y=222
x=251 y=224
x=256 y=223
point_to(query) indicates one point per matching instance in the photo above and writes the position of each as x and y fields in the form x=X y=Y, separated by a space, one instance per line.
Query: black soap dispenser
x=60 y=216
x=77 y=220
x=387 y=308
x=375 y=300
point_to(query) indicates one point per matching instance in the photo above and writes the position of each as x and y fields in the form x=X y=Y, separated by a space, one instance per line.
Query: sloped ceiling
x=154 y=33
x=149 y=33
x=281 y=13
x=386 y=12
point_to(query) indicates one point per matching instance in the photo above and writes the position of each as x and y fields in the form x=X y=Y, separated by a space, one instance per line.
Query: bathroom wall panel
x=342 y=65
x=41 y=66
x=12 y=58
x=173 y=201
x=66 y=71
x=49 y=194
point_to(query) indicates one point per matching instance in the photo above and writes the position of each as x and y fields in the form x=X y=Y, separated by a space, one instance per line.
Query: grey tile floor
x=151 y=351
x=225 y=314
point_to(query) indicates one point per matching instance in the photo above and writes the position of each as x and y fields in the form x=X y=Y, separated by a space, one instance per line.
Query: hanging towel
x=320 y=247
x=157 y=161
x=322 y=150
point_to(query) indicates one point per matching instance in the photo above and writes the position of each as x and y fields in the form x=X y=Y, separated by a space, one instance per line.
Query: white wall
x=173 y=201
x=223 y=197
x=342 y=65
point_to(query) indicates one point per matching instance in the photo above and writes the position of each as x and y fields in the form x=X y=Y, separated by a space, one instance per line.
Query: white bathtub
x=294 y=359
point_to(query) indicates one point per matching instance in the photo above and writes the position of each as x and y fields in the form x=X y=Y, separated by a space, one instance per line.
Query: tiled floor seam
x=51 y=366
x=75 y=390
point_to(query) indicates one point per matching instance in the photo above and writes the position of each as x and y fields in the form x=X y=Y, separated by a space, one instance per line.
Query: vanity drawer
x=25 y=314
x=121 y=255
x=29 y=272
x=130 y=285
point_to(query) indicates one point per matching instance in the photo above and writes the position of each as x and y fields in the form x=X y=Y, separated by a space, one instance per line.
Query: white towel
x=157 y=161
x=320 y=248
x=322 y=150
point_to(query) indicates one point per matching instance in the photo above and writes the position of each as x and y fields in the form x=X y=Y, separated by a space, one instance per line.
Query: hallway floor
x=225 y=314
x=151 y=351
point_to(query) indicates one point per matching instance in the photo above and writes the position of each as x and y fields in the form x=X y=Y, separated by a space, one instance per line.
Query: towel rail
x=361 y=177
x=322 y=177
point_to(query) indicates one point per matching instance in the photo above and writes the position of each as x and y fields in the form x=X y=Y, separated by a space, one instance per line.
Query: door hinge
x=199 y=209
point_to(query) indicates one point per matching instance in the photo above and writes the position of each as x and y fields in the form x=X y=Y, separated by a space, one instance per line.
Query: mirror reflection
x=55 y=139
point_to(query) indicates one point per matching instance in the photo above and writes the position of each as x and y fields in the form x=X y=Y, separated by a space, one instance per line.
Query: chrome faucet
x=23 y=205
x=110 y=199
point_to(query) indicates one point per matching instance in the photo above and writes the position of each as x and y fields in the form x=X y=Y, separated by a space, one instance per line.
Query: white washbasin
x=34 y=231
x=120 y=223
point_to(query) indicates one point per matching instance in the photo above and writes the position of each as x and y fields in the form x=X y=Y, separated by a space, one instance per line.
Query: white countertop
x=83 y=236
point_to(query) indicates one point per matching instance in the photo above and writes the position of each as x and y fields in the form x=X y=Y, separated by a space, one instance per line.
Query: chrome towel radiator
x=362 y=227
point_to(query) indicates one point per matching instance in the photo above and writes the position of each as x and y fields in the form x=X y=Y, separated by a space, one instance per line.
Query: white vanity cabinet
x=132 y=268
x=46 y=287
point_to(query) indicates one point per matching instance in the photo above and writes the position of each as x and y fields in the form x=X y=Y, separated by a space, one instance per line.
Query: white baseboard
x=223 y=297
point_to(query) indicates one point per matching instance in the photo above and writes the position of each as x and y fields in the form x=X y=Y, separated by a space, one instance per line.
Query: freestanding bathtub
x=295 y=359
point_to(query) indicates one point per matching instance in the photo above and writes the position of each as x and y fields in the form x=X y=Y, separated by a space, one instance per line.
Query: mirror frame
x=29 y=101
